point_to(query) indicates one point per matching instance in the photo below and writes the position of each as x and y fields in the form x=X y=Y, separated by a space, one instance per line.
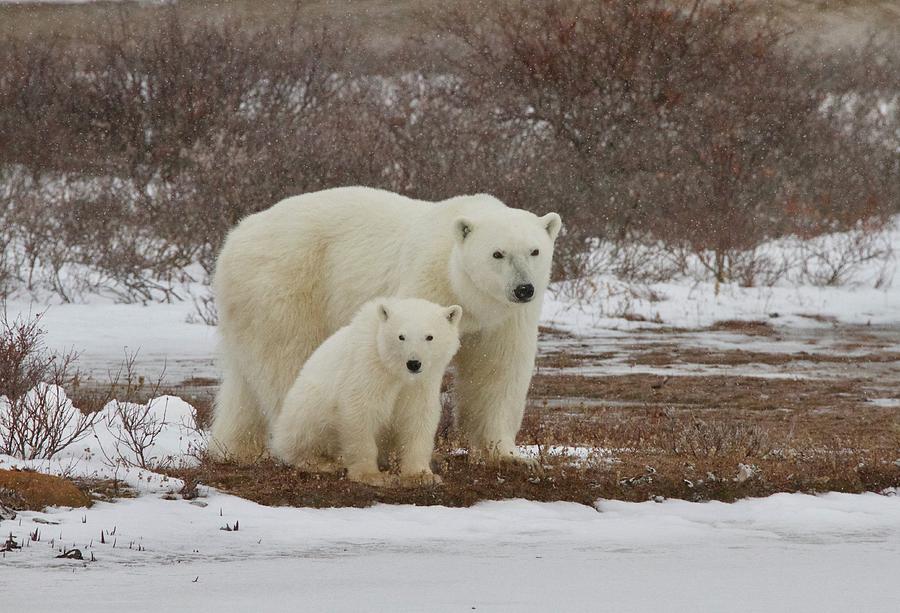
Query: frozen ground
x=783 y=553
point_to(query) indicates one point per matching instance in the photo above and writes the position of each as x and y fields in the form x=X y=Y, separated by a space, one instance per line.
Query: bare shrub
x=697 y=126
x=702 y=438
x=37 y=420
x=134 y=426
x=10 y=189
x=693 y=132
x=36 y=102
x=834 y=259
x=205 y=310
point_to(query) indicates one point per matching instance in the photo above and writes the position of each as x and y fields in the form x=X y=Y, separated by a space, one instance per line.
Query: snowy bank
x=794 y=552
x=868 y=291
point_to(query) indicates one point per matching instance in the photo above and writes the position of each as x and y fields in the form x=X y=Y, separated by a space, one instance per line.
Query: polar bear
x=290 y=276
x=343 y=409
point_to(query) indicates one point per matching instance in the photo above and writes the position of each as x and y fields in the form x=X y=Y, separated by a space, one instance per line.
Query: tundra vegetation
x=663 y=136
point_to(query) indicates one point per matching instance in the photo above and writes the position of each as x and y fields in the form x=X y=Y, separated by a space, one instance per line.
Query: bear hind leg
x=239 y=428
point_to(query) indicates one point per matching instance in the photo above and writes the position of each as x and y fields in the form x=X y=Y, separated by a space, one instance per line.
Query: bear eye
x=429 y=338
x=536 y=252
x=402 y=338
x=498 y=255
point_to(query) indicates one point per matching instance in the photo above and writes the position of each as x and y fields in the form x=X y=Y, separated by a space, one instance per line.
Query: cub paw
x=424 y=478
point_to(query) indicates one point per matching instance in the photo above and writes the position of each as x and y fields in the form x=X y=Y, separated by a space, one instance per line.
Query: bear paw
x=494 y=457
x=375 y=479
x=423 y=478
x=321 y=465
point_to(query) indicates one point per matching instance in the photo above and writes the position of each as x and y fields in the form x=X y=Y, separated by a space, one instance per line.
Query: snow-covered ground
x=789 y=552
x=868 y=292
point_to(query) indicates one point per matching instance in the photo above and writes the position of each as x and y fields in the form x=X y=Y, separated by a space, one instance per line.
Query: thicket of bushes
x=125 y=160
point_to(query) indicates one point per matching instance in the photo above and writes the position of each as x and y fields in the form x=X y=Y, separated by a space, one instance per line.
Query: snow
x=102 y=331
x=870 y=293
x=160 y=433
x=793 y=552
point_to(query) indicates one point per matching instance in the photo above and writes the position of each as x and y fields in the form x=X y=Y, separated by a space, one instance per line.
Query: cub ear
x=453 y=314
x=383 y=312
x=463 y=228
x=553 y=223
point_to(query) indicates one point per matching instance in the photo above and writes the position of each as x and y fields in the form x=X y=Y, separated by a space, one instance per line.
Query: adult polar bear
x=290 y=276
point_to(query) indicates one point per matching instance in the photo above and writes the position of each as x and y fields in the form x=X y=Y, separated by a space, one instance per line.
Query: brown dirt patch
x=571 y=359
x=753 y=328
x=631 y=476
x=21 y=489
x=673 y=355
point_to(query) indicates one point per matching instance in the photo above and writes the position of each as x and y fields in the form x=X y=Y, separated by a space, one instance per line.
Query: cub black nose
x=524 y=292
x=414 y=366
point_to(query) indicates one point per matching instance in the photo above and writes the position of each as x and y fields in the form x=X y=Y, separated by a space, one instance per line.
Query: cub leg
x=358 y=429
x=415 y=424
x=303 y=433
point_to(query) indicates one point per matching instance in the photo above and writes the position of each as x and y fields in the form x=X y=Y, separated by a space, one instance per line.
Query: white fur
x=344 y=409
x=290 y=276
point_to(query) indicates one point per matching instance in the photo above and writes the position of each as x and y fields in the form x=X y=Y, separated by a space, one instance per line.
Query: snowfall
x=159 y=552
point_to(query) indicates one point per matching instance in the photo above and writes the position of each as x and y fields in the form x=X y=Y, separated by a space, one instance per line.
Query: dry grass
x=23 y=489
x=670 y=355
x=752 y=327
x=679 y=437
x=633 y=476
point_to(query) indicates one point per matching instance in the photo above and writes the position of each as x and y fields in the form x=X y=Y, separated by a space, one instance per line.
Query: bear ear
x=383 y=312
x=553 y=223
x=463 y=228
x=453 y=314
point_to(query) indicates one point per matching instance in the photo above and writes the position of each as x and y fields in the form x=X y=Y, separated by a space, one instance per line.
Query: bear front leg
x=359 y=448
x=416 y=419
x=494 y=369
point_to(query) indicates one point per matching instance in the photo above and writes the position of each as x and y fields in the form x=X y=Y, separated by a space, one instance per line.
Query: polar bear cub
x=370 y=389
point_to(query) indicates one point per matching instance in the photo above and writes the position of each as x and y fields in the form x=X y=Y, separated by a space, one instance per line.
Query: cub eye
x=498 y=255
x=429 y=338
x=402 y=338
x=536 y=252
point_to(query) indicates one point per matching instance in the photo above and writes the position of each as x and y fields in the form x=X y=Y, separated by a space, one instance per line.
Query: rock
x=6 y=513
x=10 y=544
x=41 y=520
x=71 y=554
x=35 y=491
x=745 y=471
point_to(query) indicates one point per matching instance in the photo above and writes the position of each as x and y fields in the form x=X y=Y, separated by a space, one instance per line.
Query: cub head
x=504 y=255
x=417 y=338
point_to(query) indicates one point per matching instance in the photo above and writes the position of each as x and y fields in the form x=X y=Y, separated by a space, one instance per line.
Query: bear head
x=416 y=338
x=502 y=258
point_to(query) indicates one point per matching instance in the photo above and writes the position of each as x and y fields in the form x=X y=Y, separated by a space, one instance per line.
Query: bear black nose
x=414 y=366
x=524 y=292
